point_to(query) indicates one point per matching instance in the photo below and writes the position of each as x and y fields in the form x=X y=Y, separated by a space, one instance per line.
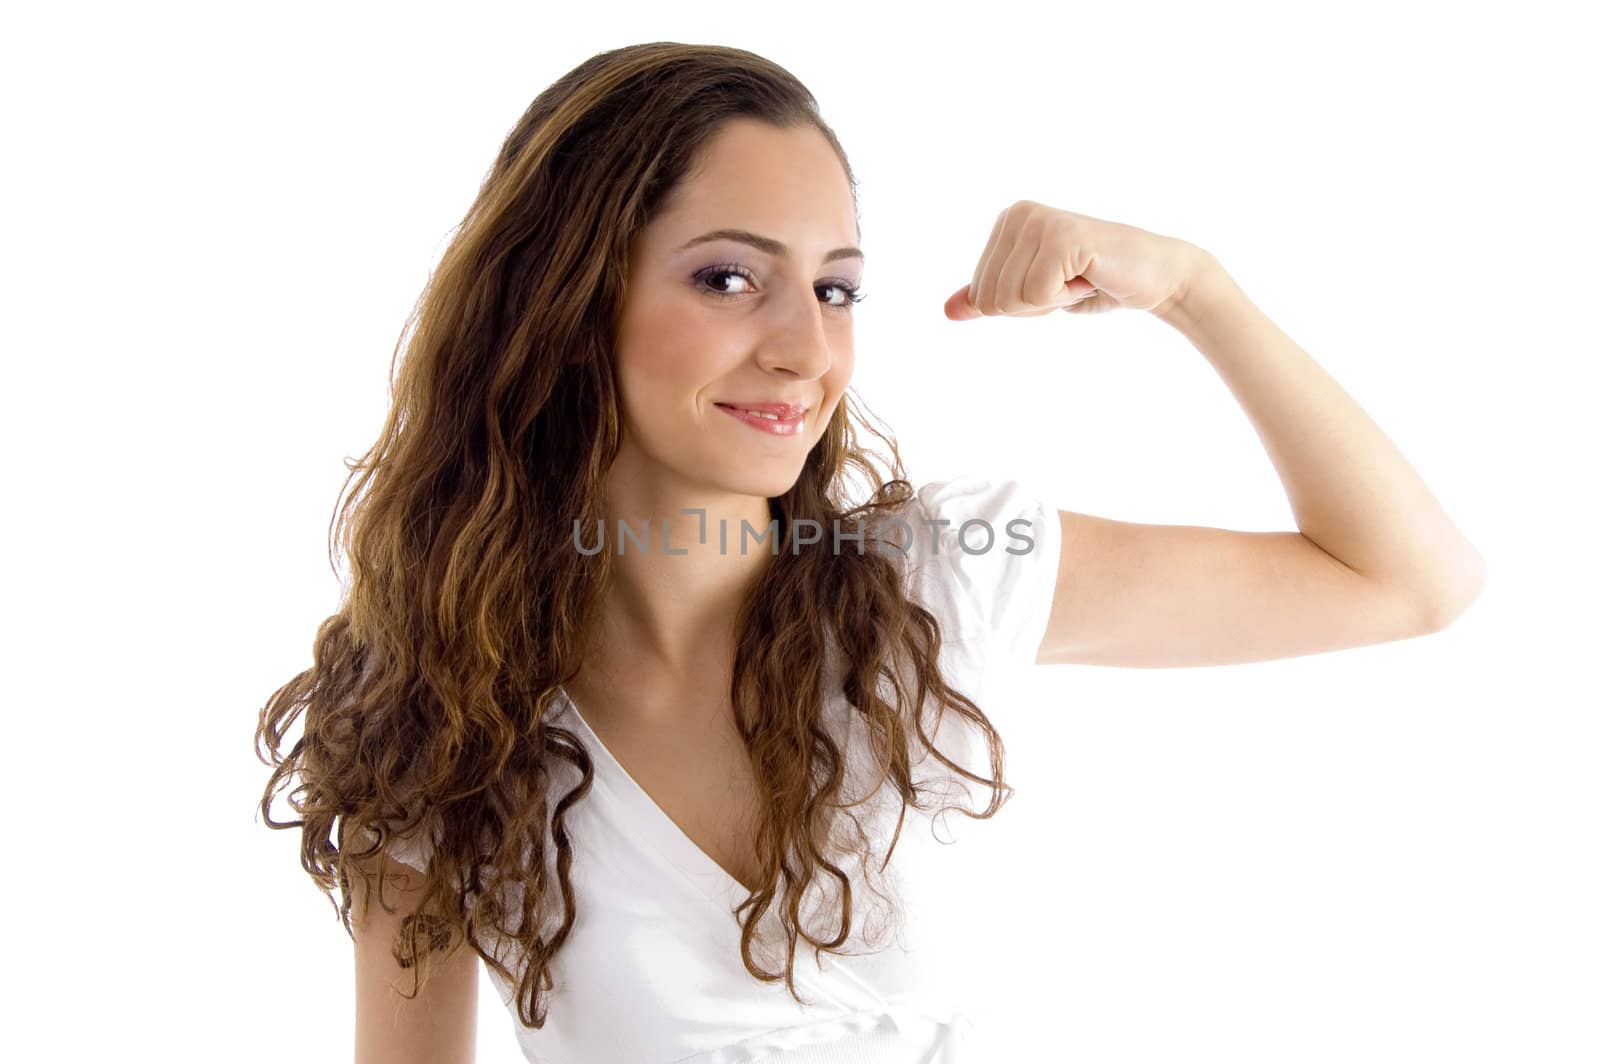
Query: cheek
x=667 y=371
x=666 y=349
x=844 y=366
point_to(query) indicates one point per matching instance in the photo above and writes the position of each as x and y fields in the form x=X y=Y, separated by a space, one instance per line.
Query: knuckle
x=1059 y=223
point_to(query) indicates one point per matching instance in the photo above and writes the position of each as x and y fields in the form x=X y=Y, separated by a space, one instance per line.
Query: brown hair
x=466 y=607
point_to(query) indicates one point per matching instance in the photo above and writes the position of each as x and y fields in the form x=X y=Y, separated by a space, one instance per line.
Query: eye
x=844 y=294
x=852 y=294
x=716 y=273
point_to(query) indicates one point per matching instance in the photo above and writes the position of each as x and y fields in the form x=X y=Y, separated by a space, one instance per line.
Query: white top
x=651 y=972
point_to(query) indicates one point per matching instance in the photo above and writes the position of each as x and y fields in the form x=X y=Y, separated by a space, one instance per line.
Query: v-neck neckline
x=699 y=866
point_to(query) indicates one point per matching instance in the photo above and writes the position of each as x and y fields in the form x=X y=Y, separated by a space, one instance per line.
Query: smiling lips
x=778 y=419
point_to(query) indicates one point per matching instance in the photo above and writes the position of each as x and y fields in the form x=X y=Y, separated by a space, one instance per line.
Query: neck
x=672 y=601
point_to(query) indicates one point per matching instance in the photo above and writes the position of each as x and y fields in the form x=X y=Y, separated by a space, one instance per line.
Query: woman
x=578 y=716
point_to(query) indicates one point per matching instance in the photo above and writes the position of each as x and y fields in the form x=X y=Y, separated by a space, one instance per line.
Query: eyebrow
x=766 y=244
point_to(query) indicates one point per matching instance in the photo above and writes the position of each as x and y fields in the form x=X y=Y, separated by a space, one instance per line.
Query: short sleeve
x=995 y=545
x=413 y=849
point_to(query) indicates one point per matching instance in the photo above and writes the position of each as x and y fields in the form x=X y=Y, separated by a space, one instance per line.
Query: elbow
x=1445 y=609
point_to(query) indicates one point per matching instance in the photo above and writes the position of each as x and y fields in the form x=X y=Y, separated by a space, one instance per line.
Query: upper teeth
x=762 y=413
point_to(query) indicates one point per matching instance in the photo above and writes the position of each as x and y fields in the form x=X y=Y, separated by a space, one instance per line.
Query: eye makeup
x=703 y=277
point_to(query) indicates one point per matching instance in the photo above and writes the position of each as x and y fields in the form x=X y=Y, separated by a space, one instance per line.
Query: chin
x=765 y=483
x=767 y=487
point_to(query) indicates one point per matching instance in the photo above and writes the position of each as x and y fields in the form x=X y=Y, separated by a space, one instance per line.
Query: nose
x=798 y=346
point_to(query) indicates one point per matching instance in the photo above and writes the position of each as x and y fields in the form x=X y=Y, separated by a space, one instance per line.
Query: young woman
x=633 y=698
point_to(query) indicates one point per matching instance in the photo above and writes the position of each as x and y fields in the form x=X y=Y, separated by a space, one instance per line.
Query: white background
x=218 y=216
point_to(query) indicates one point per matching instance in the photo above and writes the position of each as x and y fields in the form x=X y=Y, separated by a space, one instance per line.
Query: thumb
x=1095 y=304
x=959 y=308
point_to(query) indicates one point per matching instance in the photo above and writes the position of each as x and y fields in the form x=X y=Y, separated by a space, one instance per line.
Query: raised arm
x=1375 y=557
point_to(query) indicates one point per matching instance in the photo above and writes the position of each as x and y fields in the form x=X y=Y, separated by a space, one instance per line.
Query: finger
x=1094 y=303
x=1012 y=277
x=959 y=307
x=983 y=276
x=1039 y=282
x=1078 y=289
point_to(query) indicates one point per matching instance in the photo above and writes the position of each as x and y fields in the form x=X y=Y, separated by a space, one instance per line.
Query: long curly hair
x=466 y=608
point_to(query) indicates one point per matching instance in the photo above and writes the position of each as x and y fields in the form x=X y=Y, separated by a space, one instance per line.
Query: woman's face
x=762 y=317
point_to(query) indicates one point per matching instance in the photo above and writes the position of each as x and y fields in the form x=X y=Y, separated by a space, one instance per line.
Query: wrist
x=1204 y=281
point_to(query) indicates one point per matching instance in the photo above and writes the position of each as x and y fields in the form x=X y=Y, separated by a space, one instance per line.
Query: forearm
x=1351 y=490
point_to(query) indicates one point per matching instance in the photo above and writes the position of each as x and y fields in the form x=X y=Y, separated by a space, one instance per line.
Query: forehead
x=784 y=183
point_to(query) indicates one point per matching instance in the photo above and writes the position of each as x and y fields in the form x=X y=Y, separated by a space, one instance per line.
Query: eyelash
x=853 y=294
